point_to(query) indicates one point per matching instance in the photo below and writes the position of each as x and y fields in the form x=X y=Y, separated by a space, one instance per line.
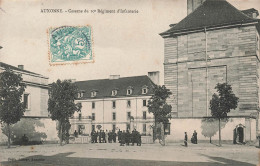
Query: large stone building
x=115 y=103
x=35 y=99
x=215 y=43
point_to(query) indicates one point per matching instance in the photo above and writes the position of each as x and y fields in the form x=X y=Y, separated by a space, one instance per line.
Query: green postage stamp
x=70 y=45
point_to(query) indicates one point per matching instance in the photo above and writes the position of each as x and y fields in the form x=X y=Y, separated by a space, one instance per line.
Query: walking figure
x=186 y=139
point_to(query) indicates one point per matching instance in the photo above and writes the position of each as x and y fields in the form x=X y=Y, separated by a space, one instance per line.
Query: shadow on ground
x=62 y=159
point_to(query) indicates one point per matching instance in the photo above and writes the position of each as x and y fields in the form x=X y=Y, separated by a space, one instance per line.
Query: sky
x=123 y=44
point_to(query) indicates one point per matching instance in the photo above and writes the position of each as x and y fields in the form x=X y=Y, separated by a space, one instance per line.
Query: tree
x=27 y=127
x=11 y=106
x=222 y=103
x=209 y=126
x=160 y=109
x=61 y=105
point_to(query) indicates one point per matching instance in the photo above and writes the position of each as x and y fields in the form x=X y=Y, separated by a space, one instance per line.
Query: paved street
x=113 y=154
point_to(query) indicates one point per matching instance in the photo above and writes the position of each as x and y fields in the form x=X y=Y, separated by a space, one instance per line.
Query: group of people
x=126 y=137
x=103 y=136
x=194 y=138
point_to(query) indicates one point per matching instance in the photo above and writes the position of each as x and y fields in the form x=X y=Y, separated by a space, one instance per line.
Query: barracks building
x=115 y=103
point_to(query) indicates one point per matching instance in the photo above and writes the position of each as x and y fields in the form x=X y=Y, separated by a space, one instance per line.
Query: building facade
x=215 y=43
x=35 y=99
x=115 y=103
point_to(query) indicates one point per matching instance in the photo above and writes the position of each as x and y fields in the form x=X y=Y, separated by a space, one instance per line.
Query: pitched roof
x=104 y=87
x=212 y=13
x=4 y=65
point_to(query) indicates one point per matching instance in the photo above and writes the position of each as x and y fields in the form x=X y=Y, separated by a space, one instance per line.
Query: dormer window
x=80 y=94
x=129 y=90
x=144 y=89
x=93 y=93
x=114 y=92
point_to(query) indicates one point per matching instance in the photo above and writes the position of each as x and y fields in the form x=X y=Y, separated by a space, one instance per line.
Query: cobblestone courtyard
x=113 y=154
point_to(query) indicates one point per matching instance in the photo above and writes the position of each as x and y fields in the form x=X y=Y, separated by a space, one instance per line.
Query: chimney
x=113 y=77
x=253 y=13
x=154 y=76
x=193 y=4
x=21 y=67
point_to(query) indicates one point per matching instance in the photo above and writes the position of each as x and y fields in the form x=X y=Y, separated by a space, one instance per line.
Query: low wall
x=81 y=140
x=179 y=126
x=147 y=139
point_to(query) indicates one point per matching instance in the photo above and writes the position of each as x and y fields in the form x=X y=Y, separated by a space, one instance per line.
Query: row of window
x=93 y=117
x=127 y=127
x=129 y=91
x=114 y=104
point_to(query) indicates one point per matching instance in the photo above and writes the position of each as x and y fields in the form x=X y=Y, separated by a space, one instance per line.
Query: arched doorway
x=239 y=134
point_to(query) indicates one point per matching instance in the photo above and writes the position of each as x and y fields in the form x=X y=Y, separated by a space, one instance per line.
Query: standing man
x=95 y=136
x=114 y=136
x=99 y=136
x=103 y=136
x=127 y=137
x=195 y=137
x=92 y=136
x=106 y=136
x=186 y=139
x=119 y=133
x=122 y=142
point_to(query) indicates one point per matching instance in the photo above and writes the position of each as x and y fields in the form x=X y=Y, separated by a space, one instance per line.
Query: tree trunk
x=219 y=135
x=155 y=130
x=60 y=133
x=9 y=135
x=209 y=139
x=162 y=134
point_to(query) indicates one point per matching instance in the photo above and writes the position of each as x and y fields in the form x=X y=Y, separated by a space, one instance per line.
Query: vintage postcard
x=129 y=82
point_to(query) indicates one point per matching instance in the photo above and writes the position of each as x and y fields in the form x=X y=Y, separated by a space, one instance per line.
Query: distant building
x=215 y=43
x=115 y=103
x=35 y=97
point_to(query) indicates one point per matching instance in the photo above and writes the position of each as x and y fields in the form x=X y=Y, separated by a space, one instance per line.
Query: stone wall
x=231 y=57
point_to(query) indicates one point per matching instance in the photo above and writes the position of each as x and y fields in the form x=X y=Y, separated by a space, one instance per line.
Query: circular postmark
x=70 y=44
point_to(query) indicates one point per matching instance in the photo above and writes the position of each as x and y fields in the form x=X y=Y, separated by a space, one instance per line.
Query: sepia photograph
x=129 y=82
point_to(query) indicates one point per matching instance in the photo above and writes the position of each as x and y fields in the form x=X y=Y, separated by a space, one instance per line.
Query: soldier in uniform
x=138 y=138
x=134 y=136
x=122 y=142
x=103 y=135
x=106 y=136
x=119 y=133
x=195 y=137
x=92 y=136
x=99 y=136
x=114 y=136
x=127 y=137
x=110 y=136
x=185 y=139
x=95 y=136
